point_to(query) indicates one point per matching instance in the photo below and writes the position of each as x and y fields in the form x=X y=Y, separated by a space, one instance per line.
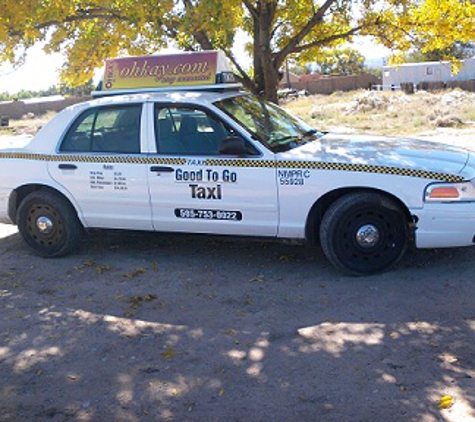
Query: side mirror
x=233 y=145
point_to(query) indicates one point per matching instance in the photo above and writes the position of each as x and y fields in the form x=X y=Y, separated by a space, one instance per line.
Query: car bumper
x=445 y=225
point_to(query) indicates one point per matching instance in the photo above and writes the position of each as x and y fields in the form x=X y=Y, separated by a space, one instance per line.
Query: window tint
x=187 y=131
x=105 y=129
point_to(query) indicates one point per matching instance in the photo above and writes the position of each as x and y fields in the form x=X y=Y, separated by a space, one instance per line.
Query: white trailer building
x=416 y=73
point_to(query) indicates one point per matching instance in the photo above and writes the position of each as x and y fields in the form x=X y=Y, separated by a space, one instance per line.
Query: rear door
x=101 y=165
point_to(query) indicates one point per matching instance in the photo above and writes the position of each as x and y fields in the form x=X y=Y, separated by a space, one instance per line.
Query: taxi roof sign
x=195 y=70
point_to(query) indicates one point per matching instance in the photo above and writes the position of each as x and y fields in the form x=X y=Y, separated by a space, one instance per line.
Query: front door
x=194 y=188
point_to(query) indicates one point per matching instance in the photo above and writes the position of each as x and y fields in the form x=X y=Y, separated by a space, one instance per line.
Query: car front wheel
x=364 y=233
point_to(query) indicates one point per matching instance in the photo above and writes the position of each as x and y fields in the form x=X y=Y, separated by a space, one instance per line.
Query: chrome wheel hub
x=44 y=225
x=367 y=236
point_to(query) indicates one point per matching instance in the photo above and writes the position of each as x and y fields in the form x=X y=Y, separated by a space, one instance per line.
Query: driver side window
x=187 y=130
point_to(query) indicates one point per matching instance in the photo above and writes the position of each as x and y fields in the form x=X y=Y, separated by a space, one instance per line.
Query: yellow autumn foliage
x=87 y=32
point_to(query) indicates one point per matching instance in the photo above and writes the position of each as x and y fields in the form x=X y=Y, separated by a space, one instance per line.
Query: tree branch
x=200 y=35
x=327 y=40
x=252 y=10
x=277 y=26
x=96 y=13
x=246 y=80
x=297 y=39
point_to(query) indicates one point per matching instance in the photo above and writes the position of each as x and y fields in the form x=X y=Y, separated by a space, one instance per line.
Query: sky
x=41 y=71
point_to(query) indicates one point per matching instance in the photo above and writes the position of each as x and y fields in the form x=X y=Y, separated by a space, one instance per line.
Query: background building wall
x=330 y=84
x=428 y=73
x=18 y=109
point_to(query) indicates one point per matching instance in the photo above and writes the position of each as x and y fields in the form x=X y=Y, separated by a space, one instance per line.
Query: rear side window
x=105 y=129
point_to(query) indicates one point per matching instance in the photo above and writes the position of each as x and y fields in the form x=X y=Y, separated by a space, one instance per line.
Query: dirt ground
x=152 y=327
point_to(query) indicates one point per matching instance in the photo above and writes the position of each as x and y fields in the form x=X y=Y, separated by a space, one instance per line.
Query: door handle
x=162 y=169
x=68 y=166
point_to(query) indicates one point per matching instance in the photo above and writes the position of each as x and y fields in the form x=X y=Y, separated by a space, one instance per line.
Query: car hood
x=405 y=154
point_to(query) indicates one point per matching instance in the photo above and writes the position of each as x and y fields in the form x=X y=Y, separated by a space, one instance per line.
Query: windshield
x=267 y=122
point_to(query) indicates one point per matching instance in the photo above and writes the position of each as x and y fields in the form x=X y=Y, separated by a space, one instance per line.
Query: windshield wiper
x=313 y=132
x=279 y=141
x=292 y=141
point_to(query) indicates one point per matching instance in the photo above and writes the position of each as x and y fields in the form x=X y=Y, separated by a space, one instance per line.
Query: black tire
x=364 y=233
x=49 y=224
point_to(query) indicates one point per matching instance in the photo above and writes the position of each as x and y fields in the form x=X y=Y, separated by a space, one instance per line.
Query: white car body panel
x=437 y=228
x=274 y=192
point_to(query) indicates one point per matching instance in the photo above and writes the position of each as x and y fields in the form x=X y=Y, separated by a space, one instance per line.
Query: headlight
x=450 y=192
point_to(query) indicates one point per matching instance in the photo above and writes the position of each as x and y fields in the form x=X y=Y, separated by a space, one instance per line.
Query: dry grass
x=384 y=113
x=387 y=113
x=28 y=124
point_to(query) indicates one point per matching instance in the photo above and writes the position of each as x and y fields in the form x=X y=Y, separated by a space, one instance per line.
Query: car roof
x=190 y=97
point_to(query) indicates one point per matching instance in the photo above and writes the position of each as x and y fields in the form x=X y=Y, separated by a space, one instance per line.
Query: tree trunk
x=266 y=75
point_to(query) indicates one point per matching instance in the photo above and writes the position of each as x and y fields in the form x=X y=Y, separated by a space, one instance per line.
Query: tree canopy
x=76 y=91
x=457 y=51
x=342 y=61
x=88 y=32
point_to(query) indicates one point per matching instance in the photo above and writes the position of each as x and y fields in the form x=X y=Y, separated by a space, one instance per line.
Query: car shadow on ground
x=140 y=326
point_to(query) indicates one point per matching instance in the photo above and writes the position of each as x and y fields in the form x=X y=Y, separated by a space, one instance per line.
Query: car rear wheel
x=49 y=224
x=364 y=233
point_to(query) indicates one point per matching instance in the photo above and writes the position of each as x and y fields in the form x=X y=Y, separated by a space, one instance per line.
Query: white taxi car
x=225 y=162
